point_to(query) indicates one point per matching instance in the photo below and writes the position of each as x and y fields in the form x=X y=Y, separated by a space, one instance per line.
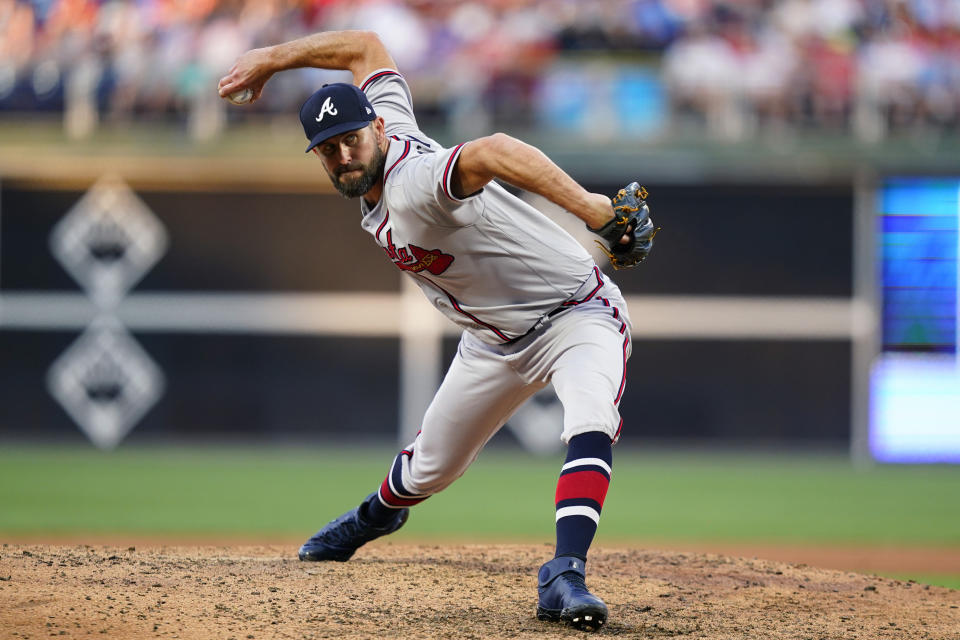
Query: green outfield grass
x=505 y=496
x=941 y=579
x=671 y=496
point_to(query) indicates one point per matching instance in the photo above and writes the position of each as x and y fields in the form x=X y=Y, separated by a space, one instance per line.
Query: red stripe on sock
x=393 y=500
x=583 y=484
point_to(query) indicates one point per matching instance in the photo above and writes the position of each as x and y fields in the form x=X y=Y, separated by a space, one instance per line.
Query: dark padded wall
x=726 y=240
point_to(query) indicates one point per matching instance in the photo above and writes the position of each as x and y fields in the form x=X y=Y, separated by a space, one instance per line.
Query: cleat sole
x=552 y=615
x=583 y=618
x=588 y=617
x=324 y=555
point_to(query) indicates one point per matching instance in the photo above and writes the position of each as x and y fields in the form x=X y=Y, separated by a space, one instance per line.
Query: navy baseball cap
x=334 y=109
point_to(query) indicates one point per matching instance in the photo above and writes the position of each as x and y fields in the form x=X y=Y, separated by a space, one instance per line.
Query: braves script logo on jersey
x=417 y=259
x=328 y=107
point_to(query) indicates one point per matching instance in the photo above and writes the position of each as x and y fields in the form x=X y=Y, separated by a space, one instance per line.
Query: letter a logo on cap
x=327 y=108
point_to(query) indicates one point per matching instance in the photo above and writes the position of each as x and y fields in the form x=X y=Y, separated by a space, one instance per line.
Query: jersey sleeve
x=425 y=182
x=443 y=176
x=391 y=99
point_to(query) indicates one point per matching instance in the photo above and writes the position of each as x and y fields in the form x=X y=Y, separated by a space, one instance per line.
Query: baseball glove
x=631 y=218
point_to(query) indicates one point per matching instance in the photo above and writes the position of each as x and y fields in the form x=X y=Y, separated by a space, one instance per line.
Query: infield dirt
x=466 y=591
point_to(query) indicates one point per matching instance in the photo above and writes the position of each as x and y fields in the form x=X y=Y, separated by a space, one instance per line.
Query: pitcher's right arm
x=359 y=52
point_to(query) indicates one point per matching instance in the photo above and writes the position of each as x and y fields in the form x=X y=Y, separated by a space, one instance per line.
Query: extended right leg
x=479 y=393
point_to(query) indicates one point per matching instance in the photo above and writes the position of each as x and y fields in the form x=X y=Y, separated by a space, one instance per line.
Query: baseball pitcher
x=534 y=307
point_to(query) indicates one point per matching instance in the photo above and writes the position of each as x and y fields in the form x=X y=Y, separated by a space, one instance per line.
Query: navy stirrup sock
x=375 y=513
x=381 y=508
x=581 y=489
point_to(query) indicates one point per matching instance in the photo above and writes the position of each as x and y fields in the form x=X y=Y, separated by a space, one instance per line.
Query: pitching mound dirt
x=405 y=591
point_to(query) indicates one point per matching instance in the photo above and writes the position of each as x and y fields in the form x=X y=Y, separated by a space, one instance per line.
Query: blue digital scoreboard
x=915 y=381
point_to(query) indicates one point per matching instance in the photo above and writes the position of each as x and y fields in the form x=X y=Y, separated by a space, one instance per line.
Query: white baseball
x=241 y=97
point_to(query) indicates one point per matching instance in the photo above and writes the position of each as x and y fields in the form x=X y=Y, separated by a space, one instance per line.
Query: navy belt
x=539 y=324
x=560 y=309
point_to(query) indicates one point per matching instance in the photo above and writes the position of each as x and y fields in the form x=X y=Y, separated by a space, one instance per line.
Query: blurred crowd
x=727 y=69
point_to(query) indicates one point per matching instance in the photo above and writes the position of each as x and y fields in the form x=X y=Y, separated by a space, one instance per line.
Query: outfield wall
x=271 y=316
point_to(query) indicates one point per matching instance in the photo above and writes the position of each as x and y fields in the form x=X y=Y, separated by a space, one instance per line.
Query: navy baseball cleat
x=343 y=536
x=564 y=595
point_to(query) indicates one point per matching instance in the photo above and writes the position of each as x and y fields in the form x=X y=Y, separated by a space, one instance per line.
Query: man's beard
x=369 y=176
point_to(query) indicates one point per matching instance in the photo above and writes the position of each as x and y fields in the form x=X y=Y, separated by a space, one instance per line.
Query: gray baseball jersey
x=490 y=262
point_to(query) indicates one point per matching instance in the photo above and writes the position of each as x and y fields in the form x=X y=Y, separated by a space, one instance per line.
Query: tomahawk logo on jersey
x=416 y=259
